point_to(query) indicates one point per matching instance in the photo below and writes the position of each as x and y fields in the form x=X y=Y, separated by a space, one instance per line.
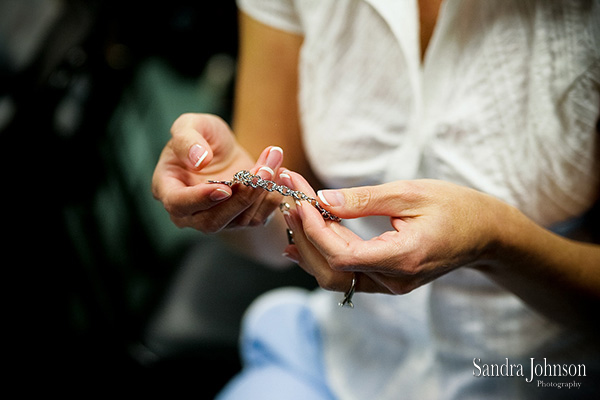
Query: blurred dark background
x=102 y=288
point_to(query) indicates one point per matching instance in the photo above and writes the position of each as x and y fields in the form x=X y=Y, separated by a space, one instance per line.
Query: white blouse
x=506 y=101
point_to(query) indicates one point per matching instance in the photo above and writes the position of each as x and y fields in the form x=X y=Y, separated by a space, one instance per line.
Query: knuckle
x=339 y=262
x=214 y=119
x=181 y=121
x=351 y=257
x=413 y=191
x=199 y=221
x=403 y=288
x=196 y=121
x=209 y=228
x=253 y=221
x=400 y=285
x=256 y=222
x=172 y=209
x=245 y=220
x=360 y=198
x=410 y=266
x=245 y=198
x=327 y=282
x=155 y=189
x=211 y=224
x=178 y=222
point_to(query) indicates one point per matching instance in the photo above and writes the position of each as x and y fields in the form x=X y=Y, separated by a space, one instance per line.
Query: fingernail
x=197 y=154
x=333 y=198
x=284 y=208
x=265 y=172
x=299 y=209
x=273 y=159
x=285 y=178
x=287 y=216
x=219 y=195
x=289 y=257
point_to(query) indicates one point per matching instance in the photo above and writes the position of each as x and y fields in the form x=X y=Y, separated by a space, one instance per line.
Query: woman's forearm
x=556 y=276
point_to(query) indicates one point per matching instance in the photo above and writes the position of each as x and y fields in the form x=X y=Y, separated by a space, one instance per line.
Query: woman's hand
x=435 y=228
x=202 y=147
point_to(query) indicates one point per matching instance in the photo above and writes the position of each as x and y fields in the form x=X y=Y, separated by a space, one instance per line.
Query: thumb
x=386 y=199
x=196 y=138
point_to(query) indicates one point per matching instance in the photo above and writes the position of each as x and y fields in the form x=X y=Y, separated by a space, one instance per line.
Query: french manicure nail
x=219 y=195
x=289 y=220
x=272 y=158
x=285 y=178
x=333 y=198
x=265 y=172
x=197 y=154
x=299 y=209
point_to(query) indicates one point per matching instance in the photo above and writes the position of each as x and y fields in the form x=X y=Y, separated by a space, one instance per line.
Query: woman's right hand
x=203 y=147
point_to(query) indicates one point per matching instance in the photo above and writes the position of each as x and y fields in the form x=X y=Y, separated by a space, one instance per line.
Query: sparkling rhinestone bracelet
x=255 y=181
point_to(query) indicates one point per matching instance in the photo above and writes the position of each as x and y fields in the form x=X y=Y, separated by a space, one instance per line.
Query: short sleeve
x=280 y=14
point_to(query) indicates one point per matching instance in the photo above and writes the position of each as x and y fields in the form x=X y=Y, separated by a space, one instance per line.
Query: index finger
x=314 y=225
x=343 y=249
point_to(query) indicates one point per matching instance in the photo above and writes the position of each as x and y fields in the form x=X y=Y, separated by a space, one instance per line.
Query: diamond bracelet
x=255 y=181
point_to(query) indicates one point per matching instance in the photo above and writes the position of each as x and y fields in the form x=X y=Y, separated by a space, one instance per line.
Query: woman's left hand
x=435 y=227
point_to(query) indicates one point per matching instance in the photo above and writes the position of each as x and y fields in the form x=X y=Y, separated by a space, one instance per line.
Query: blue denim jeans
x=281 y=351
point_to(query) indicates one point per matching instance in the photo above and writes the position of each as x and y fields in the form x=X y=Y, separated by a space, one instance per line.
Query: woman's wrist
x=507 y=232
